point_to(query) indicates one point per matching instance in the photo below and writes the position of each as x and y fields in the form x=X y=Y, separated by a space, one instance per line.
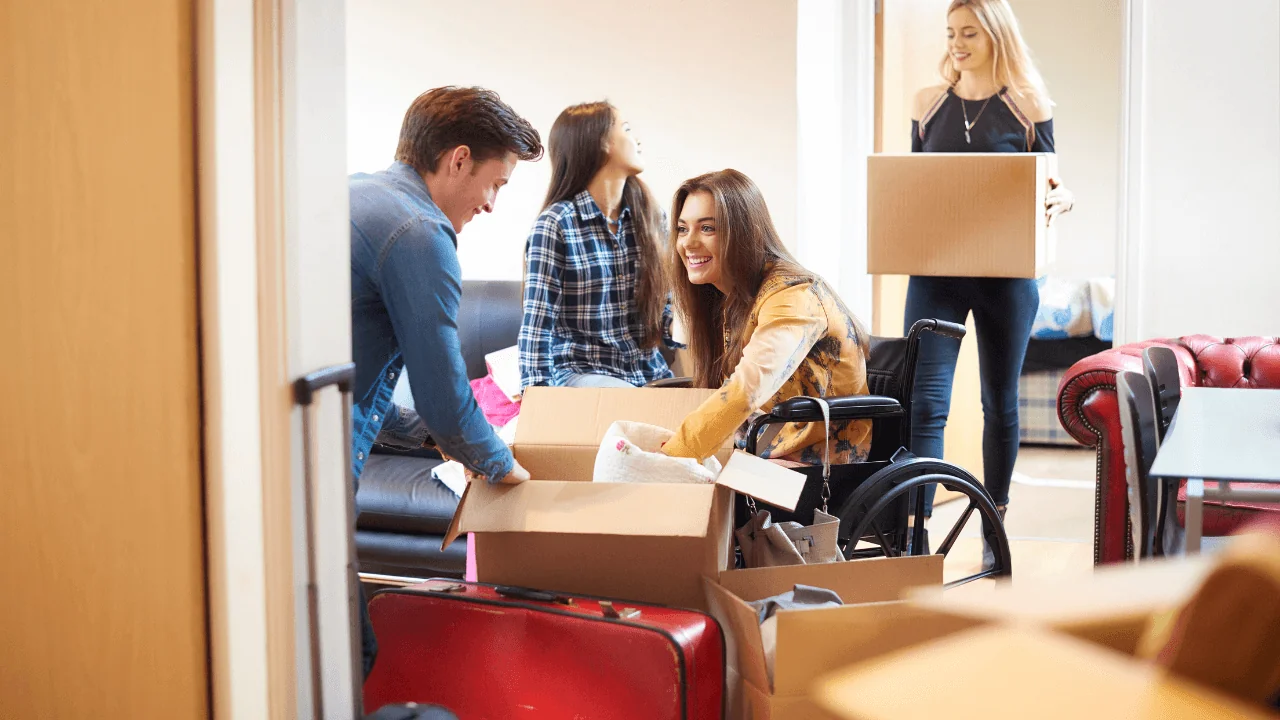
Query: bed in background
x=1074 y=322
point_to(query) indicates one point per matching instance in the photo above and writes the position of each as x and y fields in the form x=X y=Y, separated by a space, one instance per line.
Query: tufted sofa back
x=1248 y=362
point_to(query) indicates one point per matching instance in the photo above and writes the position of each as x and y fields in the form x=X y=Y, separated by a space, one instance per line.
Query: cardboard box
x=647 y=542
x=1111 y=607
x=995 y=672
x=810 y=643
x=959 y=214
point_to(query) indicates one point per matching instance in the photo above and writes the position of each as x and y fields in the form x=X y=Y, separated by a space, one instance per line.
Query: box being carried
x=649 y=542
x=959 y=214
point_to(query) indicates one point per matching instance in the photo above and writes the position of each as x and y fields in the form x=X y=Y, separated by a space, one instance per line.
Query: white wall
x=706 y=84
x=1077 y=46
x=1205 y=144
x=835 y=90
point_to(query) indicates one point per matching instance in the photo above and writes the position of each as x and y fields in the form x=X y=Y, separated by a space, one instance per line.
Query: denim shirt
x=406 y=284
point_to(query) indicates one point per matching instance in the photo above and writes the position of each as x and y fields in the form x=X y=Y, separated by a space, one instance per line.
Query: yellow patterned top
x=801 y=341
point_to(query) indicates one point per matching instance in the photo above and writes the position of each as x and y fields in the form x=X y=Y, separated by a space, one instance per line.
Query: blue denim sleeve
x=544 y=264
x=403 y=428
x=421 y=283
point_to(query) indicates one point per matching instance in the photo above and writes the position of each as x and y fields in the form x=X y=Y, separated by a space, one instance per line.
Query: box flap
x=583 y=508
x=855 y=581
x=580 y=416
x=1018 y=673
x=1109 y=592
x=763 y=480
x=811 y=643
x=739 y=620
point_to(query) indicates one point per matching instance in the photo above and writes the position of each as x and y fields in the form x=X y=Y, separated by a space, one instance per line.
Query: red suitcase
x=492 y=653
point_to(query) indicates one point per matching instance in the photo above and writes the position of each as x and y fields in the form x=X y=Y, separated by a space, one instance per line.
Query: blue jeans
x=1003 y=313
x=593 y=380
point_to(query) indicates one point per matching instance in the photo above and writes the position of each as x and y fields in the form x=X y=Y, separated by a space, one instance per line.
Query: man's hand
x=517 y=475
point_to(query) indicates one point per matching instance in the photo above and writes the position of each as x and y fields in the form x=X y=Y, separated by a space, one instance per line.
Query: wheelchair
x=880 y=502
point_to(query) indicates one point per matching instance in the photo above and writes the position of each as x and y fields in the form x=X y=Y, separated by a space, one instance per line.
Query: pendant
x=966 y=137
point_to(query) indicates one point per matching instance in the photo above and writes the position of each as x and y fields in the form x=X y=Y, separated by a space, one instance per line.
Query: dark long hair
x=748 y=249
x=576 y=148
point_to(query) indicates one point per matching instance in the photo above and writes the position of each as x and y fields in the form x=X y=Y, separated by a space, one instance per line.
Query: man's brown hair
x=446 y=117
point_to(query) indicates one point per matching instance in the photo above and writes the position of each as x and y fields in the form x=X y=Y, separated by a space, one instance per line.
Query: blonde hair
x=1011 y=62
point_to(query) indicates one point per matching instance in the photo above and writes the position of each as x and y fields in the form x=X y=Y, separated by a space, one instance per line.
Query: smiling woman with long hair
x=596 y=308
x=762 y=329
x=992 y=100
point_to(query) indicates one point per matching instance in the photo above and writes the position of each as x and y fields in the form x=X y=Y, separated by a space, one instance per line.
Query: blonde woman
x=993 y=100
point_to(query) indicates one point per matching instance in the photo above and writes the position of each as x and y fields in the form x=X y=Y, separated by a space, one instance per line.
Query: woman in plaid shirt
x=596 y=310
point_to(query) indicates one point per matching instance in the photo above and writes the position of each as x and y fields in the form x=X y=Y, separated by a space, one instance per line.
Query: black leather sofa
x=404 y=511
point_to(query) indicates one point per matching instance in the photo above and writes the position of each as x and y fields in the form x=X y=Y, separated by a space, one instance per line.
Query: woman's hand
x=1059 y=200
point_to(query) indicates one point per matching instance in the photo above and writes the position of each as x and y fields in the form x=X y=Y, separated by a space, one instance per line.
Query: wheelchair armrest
x=675 y=382
x=850 y=407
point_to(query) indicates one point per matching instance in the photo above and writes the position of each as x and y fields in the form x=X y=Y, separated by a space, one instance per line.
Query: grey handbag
x=765 y=543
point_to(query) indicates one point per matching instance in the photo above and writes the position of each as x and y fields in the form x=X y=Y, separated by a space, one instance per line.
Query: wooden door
x=103 y=608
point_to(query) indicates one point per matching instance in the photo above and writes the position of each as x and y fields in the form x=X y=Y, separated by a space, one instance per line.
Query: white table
x=1222 y=435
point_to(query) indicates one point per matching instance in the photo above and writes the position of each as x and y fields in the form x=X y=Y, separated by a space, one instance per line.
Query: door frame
x=1130 y=250
x=274 y=305
x=1130 y=243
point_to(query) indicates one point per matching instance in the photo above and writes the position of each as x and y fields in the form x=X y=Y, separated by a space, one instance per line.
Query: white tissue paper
x=632 y=452
x=453 y=476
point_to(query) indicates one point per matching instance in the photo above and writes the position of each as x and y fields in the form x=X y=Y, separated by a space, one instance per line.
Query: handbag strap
x=826 y=455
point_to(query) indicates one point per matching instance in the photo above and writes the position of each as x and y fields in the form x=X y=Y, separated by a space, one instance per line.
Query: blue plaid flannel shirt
x=579 y=310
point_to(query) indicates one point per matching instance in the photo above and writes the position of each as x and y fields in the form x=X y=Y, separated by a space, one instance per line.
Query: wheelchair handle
x=949 y=329
x=942 y=327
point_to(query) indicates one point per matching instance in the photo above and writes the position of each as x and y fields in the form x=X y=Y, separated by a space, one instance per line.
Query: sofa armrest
x=1097 y=373
x=1089 y=409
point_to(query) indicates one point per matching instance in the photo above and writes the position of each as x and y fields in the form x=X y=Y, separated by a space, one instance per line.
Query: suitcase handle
x=304 y=390
x=519 y=593
x=305 y=387
x=607 y=608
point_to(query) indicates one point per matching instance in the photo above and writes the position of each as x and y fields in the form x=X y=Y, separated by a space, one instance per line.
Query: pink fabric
x=469 y=574
x=496 y=406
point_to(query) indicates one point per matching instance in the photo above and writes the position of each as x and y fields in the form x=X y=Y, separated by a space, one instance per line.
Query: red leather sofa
x=1088 y=409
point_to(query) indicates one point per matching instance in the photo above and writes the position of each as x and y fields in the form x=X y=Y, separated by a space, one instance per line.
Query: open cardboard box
x=812 y=642
x=959 y=214
x=995 y=672
x=1111 y=607
x=647 y=542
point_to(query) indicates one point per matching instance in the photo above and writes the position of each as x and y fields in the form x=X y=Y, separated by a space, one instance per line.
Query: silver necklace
x=969 y=125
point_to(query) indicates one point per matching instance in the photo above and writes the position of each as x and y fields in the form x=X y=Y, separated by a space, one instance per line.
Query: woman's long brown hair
x=748 y=248
x=576 y=149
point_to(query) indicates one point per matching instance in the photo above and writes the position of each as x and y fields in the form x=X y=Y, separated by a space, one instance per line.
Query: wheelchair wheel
x=872 y=512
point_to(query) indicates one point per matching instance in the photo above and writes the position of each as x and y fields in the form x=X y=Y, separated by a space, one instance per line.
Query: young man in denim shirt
x=458 y=147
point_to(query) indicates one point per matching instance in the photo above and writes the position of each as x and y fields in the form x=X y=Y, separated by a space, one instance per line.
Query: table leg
x=1174 y=539
x=1195 y=514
